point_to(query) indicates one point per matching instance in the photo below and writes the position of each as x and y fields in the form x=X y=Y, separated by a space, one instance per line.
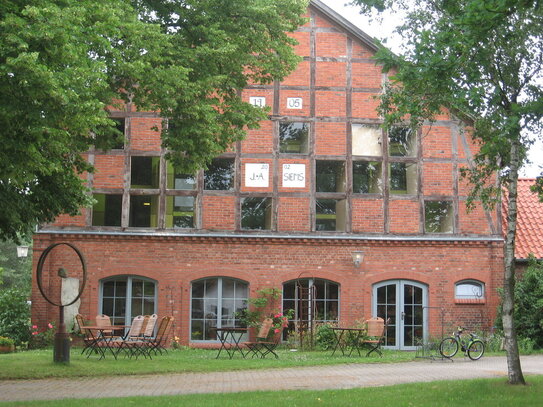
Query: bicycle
x=472 y=345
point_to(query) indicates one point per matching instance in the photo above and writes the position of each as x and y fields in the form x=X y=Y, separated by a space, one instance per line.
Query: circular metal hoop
x=41 y=261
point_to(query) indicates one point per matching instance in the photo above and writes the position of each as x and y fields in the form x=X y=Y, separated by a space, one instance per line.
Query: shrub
x=529 y=305
x=6 y=341
x=14 y=316
x=325 y=338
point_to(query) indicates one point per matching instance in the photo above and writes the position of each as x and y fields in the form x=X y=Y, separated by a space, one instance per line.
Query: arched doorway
x=404 y=302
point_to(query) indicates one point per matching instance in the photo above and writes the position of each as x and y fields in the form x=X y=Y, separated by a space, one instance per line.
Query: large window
x=219 y=175
x=107 y=210
x=256 y=213
x=125 y=297
x=215 y=303
x=293 y=137
x=438 y=217
x=313 y=300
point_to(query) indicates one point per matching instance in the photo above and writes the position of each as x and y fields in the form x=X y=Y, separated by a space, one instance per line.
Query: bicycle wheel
x=448 y=347
x=476 y=349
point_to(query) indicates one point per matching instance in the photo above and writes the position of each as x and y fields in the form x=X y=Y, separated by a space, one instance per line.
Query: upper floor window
x=367 y=177
x=107 y=210
x=330 y=176
x=330 y=214
x=438 y=217
x=256 y=213
x=402 y=142
x=219 y=175
x=180 y=211
x=402 y=178
x=469 y=289
x=178 y=180
x=120 y=123
x=144 y=172
x=367 y=140
x=143 y=211
x=294 y=137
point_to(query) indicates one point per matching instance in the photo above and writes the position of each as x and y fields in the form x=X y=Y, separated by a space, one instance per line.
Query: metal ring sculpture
x=40 y=267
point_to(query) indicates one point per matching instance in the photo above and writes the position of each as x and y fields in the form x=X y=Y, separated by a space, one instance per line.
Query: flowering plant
x=42 y=339
x=176 y=342
x=280 y=321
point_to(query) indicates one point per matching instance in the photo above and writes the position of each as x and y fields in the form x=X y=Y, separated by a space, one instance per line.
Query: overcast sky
x=385 y=30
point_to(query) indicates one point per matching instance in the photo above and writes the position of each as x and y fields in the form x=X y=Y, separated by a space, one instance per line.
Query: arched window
x=215 y=303
x=314 y=300
x=469 y=289
x=124 y=297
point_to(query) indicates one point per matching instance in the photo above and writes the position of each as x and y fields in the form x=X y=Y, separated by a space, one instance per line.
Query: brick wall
x=175 y=262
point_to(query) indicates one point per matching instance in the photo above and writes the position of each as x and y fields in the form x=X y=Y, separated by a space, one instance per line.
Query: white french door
x=404 y=302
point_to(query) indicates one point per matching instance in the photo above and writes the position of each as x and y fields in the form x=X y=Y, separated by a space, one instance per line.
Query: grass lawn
x=480 y=393
x=39 y=364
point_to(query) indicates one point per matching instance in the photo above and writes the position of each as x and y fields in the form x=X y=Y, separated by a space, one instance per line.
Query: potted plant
x=7 y=345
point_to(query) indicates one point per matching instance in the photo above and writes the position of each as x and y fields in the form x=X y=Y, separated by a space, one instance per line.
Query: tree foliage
x=14 y=315
x=64 y=62
x=529 y=303
x=481 y=59
x=15 y=272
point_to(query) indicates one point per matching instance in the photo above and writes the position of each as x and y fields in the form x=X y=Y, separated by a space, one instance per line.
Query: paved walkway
x=317 y=377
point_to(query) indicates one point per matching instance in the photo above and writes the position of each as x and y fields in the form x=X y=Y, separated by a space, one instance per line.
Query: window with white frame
x=124 y=297
x=216 y=302
x=469 y=289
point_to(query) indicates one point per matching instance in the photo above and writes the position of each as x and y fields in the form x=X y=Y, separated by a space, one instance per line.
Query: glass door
x=404 y=302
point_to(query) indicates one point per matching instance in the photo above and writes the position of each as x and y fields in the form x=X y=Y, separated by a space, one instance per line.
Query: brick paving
x=344 y=376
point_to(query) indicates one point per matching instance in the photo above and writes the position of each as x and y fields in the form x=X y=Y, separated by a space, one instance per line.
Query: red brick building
x=289 y=205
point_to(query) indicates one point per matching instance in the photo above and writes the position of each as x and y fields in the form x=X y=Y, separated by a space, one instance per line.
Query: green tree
x=14 y=316
x=15 y=272
x=63 y=62
x=482 y=60
x=529 y=303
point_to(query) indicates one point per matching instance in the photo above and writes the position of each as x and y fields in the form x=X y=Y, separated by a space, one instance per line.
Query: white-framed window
x=215 y=303
x=124 y=297
x=469 y=289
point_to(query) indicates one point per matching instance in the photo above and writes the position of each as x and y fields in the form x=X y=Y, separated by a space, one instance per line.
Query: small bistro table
x=98 y=337
x=340 y=333
x=230 y=338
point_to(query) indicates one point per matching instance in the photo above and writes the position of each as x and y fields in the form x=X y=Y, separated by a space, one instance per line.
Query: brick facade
x=334 y=85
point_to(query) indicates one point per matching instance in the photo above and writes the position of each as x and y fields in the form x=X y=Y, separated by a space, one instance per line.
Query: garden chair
x=375 y=335
x=89 y=339
x=157 y=344
x=149 y=329
x=133 y=342
x=263 y=346
x=104 y=320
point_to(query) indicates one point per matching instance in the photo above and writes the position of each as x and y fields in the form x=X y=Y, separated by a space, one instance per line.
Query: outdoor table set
x=134 y=340
x=371 y=337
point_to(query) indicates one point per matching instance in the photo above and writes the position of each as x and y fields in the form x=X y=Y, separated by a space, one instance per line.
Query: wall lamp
x=22 y=251
x=358 y=256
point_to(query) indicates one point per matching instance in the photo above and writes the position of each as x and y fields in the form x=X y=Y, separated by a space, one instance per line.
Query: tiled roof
x=529 y=237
